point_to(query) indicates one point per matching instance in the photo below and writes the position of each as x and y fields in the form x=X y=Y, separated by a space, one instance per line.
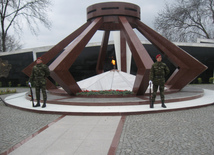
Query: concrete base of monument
x=64 y=104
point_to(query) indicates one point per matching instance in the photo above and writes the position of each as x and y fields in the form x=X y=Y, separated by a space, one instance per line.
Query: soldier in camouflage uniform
x=157 y=76
x=39 y=74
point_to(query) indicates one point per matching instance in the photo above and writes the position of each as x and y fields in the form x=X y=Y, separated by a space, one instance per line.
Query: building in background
x=85 y=65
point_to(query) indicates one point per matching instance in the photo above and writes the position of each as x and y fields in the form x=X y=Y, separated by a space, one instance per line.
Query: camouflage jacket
x=158 y=71
x=39 y=72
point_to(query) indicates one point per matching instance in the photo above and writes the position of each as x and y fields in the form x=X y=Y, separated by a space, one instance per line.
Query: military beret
x=39 y=58
x=158 y=56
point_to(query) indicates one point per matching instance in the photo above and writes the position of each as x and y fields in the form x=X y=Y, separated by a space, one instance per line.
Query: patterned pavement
x=187 y=132
x=179 y=133
x=17 y=125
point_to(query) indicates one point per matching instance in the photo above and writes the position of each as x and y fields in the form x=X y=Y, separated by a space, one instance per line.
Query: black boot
x=38 y=104
x=163 y=105
x=152 y=104
x=44 y=104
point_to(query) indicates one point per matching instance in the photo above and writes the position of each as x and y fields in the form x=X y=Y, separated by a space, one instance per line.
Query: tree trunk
x=3 y=43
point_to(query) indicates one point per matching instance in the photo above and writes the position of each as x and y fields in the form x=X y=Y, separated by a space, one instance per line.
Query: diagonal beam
x=188 y=67
x=102 y=53
x=140 y=55
x=54 y=51
x=60 y=67
x=123 y=52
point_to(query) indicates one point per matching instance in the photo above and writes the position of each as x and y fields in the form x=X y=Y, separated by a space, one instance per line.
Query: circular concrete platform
x=64 y=104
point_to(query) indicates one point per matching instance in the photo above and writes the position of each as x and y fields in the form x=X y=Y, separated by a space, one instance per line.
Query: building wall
x=85 y=64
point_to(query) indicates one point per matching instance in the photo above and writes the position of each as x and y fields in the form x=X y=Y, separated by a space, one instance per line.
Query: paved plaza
x=17 y=125
x=189 y=132
x=183 y=132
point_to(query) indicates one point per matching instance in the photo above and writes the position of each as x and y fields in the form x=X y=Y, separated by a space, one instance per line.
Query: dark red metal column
x=188 y=67
x=54 y=51
x=140 y=55
x=60 y=67
x=123 y=52
x=102 y=53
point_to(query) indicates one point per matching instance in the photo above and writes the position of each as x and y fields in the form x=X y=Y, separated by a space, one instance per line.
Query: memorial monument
x=123 y=17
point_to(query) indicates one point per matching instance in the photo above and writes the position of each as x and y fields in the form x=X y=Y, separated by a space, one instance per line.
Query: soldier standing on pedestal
x=39 y=74
x=157 y=76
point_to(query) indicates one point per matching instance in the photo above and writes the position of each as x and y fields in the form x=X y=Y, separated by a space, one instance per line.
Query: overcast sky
x=68 y=15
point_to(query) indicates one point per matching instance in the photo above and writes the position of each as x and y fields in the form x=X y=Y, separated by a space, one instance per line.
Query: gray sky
x=68 y=15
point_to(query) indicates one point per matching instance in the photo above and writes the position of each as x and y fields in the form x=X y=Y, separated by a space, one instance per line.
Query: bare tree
x=11 y=43
x=15 y=13
x=186 y=20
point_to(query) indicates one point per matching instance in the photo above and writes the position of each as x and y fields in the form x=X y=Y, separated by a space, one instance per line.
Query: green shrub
x=10 y=84
x=199 y=80
x=211 y=80
x=105 y=92
x=7 y=91
x=56 y=84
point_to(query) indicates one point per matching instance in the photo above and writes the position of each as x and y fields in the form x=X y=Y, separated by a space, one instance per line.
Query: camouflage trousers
x=158 y=83
x=41 y=85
